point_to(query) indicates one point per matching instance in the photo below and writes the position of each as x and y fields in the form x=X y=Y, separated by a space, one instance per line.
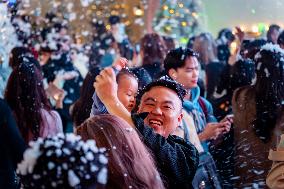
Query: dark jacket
x=176 y=159
x=12 y=147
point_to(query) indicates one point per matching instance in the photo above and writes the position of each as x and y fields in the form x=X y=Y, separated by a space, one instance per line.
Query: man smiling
x=161 y=109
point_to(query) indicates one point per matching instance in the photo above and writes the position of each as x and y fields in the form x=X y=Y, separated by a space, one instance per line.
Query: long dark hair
x=269 y=90
x=26 y=96
x=153 y=48
x=130 y=163
x=82 y=107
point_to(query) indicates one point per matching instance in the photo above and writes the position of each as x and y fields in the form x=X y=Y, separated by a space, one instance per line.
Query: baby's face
x=127 y=91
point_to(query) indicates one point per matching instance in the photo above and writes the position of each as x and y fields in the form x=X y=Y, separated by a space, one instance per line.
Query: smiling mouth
x=155 y=123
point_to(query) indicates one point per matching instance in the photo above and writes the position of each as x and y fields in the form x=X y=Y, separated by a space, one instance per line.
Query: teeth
x=155 y=122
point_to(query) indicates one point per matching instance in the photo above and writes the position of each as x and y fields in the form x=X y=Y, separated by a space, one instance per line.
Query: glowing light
x=183 y=24
x=233 y=46
x=108 y=27
x=99 y=13
x=138 y=11
x=254 y=29
x=180 y=5
x=94 y=7
x=194 y=14
x=166 y=7
x=172 y=11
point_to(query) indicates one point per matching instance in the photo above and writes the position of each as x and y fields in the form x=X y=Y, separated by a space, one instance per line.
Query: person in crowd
x=182 y=66
x=127 y=90
x=118 y=32
x=160 y=113
x=205 y=46
x=273 y=33
x=63 y=162
x=169 y=43
x=26 y=97
x=241 y=73
x=224 y=40
x=256 y=110
x=82 y=107
x=58 y=70
x=274 y=178
x=12 y=147
x=103 y=47
x=280 y=40
x=18 y=54
x=130 y=163
x=153 y=51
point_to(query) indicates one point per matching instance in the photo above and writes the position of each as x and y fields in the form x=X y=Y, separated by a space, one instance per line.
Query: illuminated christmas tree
x=179 y=19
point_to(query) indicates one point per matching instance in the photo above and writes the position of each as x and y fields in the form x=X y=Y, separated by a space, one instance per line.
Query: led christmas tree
x=179 y=19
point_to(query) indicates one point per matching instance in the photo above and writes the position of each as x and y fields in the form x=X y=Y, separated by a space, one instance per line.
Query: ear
x=173 y=73
x=180 y=118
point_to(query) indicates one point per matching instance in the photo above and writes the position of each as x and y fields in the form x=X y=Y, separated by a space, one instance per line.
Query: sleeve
x=176 y=159
x=11 y=134
x=210 y=118
x=58 y=122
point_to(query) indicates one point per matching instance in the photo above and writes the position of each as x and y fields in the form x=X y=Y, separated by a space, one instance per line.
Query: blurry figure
x=63 y=162
x=103 y=49
x=130 y=163
x=17 y=56
x=205 y=46
x=224 y=40
x=118 y=32
x=80 y=61
x=274 y=178
x=153 y=51
x=190 y=42
x=82 y=107
x=256 y=109
x=273 y=33
x=280 y=40
x=26 y=96
x=169 y=43
x=12 y=147
x=241 y=73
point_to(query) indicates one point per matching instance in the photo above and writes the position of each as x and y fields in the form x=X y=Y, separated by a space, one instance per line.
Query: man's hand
x=106 y=86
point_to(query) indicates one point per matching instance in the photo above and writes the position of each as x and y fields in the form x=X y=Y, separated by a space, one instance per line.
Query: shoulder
x=242 y=95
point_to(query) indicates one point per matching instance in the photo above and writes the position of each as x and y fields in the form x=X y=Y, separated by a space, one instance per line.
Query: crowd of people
x=112 y=114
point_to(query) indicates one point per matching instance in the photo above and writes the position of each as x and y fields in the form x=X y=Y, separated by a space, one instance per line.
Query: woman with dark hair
x=18 y=54
x=205 y=46
x=27 y=99
x=82 y=107
x=153 y=51
x=256 y=109
x=130 y=163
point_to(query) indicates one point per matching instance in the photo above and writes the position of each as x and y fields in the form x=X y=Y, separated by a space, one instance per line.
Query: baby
x=127 y=84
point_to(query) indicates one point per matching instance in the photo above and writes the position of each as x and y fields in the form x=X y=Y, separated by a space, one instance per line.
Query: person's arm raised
x=106 y=89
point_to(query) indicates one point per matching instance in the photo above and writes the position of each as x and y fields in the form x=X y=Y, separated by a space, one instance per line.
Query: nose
x=156 y=110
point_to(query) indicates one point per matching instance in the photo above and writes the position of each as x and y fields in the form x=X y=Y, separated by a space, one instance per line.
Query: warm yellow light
x=254 y=29
x=180 y=5
x=138 y=11
x=233 y=46
x=98 y=13
x=172 y=11
x=94 y=7
x=183 y=24
x=166 y=7
x=242 y=27
x=194 y=14
x=127 y=23
x=108 y=27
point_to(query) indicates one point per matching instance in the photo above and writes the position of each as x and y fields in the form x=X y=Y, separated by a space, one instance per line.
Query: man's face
x=164 y=107
x=188 y=74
